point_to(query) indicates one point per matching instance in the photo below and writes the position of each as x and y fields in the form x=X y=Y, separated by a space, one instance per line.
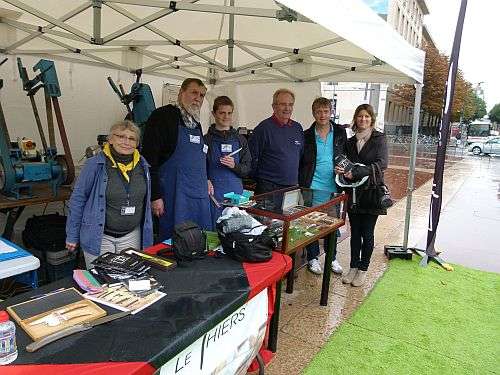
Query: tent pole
x=230 y=41
x=96 y=6
x=413 y=158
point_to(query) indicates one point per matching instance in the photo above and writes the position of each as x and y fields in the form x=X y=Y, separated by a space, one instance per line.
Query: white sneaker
x=314 y=266
x=336 y=267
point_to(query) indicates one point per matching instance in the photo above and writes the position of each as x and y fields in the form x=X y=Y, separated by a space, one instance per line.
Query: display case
x=300 y=216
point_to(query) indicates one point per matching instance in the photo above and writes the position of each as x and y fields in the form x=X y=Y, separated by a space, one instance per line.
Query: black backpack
x=45 y=233
x=188 y=242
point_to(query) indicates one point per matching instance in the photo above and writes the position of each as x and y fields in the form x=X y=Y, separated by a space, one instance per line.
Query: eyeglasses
x=124 y=138
x=284 y=105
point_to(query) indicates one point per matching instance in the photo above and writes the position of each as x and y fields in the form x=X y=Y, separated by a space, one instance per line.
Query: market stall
x=242 y=48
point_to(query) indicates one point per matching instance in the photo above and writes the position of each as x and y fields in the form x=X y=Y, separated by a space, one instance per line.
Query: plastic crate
x=60 y=271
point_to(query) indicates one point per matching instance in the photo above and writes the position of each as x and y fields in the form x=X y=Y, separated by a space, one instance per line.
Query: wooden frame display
x=53 y=312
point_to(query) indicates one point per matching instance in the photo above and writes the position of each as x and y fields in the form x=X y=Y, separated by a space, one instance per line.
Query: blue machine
x=140 y=96
x=17 y=172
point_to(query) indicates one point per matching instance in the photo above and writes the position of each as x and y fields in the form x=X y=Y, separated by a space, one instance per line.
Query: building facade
x=406 y=17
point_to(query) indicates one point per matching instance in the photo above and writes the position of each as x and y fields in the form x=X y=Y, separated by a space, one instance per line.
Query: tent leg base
x=396 y=251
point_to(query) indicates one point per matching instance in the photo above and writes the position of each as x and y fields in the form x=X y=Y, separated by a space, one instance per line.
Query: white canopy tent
x=219 y=41
x=223 y=42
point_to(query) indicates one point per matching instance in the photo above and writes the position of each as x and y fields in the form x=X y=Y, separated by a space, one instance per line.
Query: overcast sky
x=480 y=49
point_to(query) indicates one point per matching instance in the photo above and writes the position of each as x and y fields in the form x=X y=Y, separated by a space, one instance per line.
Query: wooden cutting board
x=27 y=312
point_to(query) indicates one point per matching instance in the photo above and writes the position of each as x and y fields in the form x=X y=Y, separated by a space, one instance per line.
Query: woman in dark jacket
x=228 y=158
x=368 y=146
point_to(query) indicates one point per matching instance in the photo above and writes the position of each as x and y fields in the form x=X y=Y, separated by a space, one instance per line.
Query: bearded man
x=173 y=146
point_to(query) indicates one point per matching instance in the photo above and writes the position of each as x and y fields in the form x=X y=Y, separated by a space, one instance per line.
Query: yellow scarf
x=124 y=168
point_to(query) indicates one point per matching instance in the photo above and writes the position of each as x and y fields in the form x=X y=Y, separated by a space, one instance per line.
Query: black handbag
x=189 y=242
x=246 y=247
x=376 y=194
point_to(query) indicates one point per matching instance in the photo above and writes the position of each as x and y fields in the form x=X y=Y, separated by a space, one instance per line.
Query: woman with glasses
x=109 y=209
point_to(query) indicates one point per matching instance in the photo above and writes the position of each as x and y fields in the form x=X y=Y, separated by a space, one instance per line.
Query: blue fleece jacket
x=276 y=150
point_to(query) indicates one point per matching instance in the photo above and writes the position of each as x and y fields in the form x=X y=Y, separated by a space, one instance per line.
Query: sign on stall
x=229 y=347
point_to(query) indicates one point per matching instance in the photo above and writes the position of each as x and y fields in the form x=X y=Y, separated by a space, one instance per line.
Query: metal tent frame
x=171 y=53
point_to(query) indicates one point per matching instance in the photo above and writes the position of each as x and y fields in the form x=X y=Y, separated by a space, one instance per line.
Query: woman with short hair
x=110 y=209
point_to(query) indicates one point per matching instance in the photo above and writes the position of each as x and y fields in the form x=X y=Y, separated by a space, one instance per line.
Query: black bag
x=375 y=195
x=188 y=242
x=45 y=233
x=248 y=248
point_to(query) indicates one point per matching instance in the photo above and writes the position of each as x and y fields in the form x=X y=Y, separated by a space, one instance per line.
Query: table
x=272 y=206
x=17 y=266
x=201 y=298
x=42 y=194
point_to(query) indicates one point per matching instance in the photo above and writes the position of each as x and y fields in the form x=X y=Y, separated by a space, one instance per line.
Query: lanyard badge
x=194 y=139
x=127 y=210
x=225 y=147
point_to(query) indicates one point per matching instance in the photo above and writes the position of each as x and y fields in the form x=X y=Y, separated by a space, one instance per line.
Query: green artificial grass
x=420 y=321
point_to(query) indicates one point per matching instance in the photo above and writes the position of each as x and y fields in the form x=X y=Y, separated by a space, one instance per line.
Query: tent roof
x=219 y=41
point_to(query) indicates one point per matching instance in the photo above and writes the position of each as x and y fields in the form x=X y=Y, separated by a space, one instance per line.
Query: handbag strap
x=374 y=174
x=248 y=230
x=380 y=180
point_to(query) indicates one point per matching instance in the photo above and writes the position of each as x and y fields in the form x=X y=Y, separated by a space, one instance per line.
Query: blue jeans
x=312 y=249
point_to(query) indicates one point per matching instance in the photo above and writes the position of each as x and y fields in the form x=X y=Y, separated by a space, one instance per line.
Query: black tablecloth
x=198 y=297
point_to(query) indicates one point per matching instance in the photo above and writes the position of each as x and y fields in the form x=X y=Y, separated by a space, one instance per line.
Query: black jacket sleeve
x=244 y=167
x=307 y=163
x=159 y=142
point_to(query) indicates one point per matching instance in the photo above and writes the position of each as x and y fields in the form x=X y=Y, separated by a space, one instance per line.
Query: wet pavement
x=396 y=176
x=468 y=231
x=466 y=234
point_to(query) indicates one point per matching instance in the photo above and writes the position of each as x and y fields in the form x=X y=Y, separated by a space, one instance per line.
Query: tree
x=479 y=107
x=495 y=113
x=435 y=76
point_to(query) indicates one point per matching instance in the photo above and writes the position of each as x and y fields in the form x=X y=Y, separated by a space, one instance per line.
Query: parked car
x=491 y=146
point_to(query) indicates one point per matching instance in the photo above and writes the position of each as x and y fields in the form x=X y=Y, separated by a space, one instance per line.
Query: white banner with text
x=228 y=348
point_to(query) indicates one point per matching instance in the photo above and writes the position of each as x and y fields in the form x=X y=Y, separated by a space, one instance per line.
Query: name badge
x=205 y=149
x=127 y=210
x=224 y=147
x=194 y=138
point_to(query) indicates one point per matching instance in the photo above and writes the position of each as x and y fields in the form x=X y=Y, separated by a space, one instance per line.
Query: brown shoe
x=347 y=279
x=359 y=279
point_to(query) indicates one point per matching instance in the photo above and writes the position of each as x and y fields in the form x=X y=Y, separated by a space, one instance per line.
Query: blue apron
x=223 y=179
x=183 y=183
